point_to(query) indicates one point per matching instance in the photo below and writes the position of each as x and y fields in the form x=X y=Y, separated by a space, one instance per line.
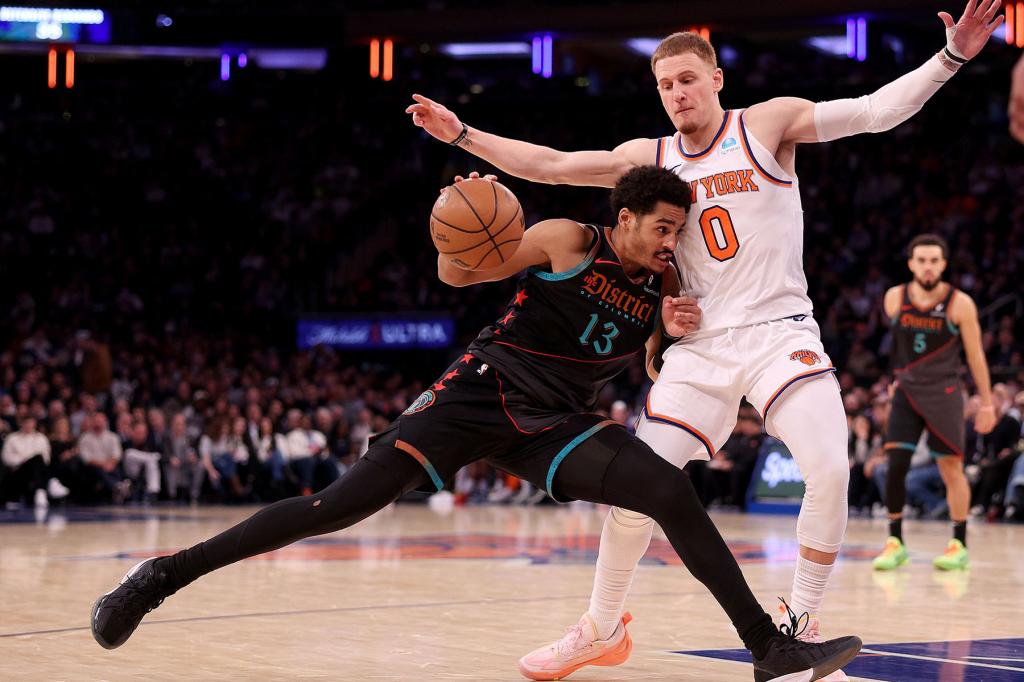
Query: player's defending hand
x=435 y=118
x=1017 y=101
x=680 y=315
x=970 y=34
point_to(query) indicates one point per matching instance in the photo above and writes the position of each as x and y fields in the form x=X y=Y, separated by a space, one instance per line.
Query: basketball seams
x=496 y=247
x=509 y=223
x=485 y=226
x=457 y=229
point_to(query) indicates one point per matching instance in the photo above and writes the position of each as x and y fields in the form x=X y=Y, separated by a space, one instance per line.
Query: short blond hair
x=686 y=42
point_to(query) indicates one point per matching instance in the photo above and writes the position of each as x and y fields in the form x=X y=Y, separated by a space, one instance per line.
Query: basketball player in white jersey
x=742 y=256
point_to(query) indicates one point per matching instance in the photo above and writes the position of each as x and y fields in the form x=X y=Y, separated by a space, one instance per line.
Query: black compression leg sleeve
x=376 y=480
x=638 y=479
x=896 y=479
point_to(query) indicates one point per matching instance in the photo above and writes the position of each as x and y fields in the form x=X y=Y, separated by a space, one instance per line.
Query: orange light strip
x=69 y=69
x=1020 y=24
x=389 y=48
x=374 y=58
x=705 y=33
x=1010 y=24
x=51 y=74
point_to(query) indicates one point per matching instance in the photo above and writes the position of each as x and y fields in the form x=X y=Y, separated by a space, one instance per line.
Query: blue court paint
x=977 y=660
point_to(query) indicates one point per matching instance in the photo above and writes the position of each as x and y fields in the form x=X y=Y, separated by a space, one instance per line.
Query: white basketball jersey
x=741 y=253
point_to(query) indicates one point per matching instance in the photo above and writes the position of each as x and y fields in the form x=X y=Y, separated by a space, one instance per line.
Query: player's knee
x=830 y=476
x=629 y=519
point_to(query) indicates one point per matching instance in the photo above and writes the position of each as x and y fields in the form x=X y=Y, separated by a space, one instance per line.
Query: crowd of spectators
x=158 y=242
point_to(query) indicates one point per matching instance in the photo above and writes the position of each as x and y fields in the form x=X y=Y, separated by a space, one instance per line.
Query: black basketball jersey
x=566 y=334
x=926 y=344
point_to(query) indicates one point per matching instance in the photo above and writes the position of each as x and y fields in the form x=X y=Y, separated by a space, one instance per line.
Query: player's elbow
x=452 y=276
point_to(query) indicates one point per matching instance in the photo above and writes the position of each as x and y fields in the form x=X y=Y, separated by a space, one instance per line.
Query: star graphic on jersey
x=505 y=320
x=520 y=297
x=451 y=375
x=438 y=386
x=466 y=358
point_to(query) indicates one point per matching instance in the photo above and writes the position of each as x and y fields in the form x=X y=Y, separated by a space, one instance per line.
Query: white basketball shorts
x=703 y=378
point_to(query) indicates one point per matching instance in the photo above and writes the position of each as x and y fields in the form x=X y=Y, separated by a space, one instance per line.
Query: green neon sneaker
x=893 y=556
x=954 y=558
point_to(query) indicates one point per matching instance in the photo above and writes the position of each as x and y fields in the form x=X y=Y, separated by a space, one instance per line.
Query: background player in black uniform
x=519 y=398
x=930 y=320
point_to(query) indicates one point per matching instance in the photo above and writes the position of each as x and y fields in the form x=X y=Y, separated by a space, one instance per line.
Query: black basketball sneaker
x=790 y=660
x=116 y=614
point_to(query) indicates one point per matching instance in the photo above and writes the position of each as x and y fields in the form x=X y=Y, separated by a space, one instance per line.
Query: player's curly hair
x=644 y=186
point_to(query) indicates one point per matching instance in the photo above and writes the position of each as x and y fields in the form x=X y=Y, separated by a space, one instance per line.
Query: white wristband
x=950 y=32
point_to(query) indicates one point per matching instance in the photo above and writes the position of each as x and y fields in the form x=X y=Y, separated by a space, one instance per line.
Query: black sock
x=896 y=528
x=960 y=531
x=376 y=480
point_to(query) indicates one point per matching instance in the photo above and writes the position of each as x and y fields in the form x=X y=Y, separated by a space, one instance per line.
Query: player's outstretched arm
x=531 y=161
x=791 y=119
x=964 y=314
x=559 y=242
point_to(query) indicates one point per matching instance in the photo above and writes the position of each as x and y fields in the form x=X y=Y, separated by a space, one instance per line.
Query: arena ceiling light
x=479 y=50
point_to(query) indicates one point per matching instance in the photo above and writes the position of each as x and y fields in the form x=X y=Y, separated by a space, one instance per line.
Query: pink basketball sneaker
x=579 y=647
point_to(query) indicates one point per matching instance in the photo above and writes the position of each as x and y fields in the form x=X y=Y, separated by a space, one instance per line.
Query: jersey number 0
x=719 y=233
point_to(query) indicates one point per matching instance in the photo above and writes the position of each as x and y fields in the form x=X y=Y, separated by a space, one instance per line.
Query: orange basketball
x=477 y=224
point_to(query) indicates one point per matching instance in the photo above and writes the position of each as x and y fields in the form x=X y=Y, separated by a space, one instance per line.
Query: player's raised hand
x=680 y=315
x=969 y=35
x=1017 y=101
x=435 y=118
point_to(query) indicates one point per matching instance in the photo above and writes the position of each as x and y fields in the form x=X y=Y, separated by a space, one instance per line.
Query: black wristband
x=952 y=57
x=461 y=137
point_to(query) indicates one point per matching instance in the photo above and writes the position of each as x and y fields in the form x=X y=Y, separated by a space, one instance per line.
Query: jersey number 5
x=599 y=347
x=719 y=233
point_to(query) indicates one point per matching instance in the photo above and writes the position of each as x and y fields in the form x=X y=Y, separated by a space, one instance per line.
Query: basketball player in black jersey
x=930 y=320
x=520 y=397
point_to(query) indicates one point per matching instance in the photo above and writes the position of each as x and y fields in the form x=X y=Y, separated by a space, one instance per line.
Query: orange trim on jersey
x=659 y=158
x=754 y=162
x=672 y=421
x=897 y=445
x=711 y=147
x=957 y=452
x=926 y=356
x=501 y=392
x=790 y=382
x=563 y=357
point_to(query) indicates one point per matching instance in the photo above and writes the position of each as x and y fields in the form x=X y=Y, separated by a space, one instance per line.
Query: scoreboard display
x=53 y=24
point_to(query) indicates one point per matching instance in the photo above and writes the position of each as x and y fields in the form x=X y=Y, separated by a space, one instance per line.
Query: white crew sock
x=624 y=539
x=809 y=583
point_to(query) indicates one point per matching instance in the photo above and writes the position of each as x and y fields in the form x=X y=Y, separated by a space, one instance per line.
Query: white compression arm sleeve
x=883 y=109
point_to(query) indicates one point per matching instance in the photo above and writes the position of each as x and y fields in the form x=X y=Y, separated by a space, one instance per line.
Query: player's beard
x=688 y=128
x=927 y=286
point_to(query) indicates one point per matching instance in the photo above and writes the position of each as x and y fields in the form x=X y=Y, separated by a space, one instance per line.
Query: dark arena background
x=218 y=281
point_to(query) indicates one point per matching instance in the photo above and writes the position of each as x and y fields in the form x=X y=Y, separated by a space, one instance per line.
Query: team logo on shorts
x=808 y=357
x=425 y=400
